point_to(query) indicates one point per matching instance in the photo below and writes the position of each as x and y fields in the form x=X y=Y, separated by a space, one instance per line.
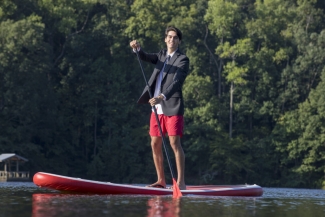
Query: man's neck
x=170 y=51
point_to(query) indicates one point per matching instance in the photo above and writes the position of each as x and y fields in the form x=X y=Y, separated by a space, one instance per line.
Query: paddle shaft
x=157 y=119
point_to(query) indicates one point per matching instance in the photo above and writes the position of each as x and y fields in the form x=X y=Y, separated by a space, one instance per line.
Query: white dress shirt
x=158 y=84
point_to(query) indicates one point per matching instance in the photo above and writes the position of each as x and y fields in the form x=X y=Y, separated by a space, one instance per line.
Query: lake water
x=18 y=199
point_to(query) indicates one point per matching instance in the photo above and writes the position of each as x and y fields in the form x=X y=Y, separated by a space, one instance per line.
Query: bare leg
x=158 y=158
x=175 y=142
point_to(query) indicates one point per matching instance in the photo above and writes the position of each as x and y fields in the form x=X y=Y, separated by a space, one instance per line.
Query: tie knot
x=168 y=58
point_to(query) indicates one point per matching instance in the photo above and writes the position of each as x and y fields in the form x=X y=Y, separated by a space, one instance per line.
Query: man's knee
x=156 y=142
x=175 y=143
x=175 y=140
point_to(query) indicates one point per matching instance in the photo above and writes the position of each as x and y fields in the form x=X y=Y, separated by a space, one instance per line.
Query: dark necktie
x=165 y=63
x=160 y=77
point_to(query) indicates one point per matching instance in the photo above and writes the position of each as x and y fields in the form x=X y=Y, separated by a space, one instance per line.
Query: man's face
x=172 y=40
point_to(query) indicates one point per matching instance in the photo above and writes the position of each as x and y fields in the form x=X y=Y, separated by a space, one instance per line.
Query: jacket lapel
x=170 y=63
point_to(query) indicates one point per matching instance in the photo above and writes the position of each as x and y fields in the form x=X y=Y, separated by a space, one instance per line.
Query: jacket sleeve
x=148 y=57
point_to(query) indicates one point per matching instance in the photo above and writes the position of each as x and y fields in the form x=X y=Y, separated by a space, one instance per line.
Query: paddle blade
x=176 y=191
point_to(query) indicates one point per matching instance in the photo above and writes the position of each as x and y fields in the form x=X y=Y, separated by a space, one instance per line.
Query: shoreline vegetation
x=254 y=98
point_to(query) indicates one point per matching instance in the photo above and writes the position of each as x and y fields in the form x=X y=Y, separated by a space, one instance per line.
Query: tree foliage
x=69 y=84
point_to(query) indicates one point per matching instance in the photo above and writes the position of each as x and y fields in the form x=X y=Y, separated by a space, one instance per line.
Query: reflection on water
x=158 y=207
x=47 y=205
x=20 y=200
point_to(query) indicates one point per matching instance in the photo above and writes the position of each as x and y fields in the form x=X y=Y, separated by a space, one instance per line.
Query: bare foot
x=180 y=188
x=183 y=187
x=156 y=185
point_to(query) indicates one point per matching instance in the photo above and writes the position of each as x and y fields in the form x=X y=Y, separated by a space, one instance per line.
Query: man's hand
x=134 y=44
x=156 y=100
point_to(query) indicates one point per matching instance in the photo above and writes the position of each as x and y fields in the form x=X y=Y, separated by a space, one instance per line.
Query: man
x=166 y=81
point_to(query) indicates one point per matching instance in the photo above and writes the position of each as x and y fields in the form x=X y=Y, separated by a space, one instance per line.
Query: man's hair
x=172 y=28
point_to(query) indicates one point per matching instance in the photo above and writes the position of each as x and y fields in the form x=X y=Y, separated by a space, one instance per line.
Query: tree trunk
x=231 y=108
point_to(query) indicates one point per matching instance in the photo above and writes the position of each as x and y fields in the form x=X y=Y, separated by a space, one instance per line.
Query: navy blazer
x=174 y=76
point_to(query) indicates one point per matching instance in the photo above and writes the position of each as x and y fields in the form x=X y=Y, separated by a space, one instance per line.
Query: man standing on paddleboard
x=165 y=84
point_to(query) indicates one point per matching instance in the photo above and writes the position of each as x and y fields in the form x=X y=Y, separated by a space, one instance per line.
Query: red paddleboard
x=84 y=186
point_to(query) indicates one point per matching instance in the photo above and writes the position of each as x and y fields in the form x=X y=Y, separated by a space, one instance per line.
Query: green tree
x=304 y=125
x=27 y=100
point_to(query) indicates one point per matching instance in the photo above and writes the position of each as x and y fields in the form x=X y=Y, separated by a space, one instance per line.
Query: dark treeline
x=255 y=96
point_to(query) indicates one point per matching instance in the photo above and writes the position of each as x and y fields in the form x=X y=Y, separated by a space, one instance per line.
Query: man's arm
x=148 y=57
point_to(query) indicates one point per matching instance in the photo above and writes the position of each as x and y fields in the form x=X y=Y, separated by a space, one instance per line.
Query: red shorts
x=172 y=125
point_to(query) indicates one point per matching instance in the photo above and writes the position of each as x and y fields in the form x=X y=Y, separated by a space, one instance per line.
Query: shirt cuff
x=163 y=96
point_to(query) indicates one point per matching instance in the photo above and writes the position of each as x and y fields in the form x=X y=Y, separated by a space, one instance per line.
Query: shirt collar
x=171 y=55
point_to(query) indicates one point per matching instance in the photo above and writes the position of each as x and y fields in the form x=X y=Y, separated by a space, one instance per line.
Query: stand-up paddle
x=176 y=191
